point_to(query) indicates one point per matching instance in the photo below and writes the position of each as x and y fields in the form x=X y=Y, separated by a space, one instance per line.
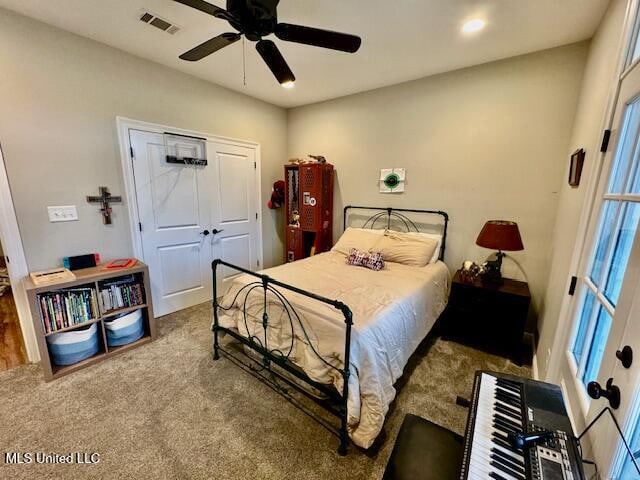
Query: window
x=634 y=48
x=617 y=226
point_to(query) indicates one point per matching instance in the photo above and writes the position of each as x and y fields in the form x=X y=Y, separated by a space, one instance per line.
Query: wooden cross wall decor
x=104 y=199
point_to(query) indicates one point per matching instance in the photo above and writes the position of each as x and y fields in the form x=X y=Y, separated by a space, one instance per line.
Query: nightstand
x=491 y=317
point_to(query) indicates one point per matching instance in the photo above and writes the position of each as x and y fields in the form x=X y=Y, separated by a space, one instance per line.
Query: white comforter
x=393 y=310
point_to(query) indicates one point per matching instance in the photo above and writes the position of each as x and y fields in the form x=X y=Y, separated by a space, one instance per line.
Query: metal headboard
x=398 y=214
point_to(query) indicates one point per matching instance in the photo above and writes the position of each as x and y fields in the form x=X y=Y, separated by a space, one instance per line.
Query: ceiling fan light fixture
x=289 y=84
x=474 y=25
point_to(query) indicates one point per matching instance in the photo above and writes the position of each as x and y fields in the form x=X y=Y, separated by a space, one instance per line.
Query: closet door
x=174 y=206
x=234 y=207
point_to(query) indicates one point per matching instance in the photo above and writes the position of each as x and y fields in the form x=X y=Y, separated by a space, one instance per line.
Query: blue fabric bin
x=67 y=348
x=124 y=329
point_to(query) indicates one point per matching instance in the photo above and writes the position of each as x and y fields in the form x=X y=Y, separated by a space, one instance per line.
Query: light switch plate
x=64 y=213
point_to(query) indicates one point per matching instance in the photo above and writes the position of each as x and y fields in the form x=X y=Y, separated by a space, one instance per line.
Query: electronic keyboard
x=506 y=408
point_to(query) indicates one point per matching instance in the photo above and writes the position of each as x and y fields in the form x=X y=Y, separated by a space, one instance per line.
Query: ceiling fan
x=256 y=19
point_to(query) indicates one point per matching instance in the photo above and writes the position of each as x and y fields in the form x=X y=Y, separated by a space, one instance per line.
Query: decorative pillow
x=435 y=236
x=406 y=249
x=355 y=238
x=371 y=260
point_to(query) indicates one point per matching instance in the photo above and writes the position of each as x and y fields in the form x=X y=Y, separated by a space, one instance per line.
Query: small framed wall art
x=575 y=169
x=392 y=180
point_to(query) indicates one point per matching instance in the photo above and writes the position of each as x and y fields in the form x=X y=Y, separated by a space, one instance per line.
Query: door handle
x=625 y=356
x=612 y=393
x=215 y=231
x=205 y=232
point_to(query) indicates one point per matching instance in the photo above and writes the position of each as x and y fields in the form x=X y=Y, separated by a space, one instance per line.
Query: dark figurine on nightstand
x=498 y=235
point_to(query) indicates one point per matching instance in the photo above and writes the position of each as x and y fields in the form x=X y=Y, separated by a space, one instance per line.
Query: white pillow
x=434 y=236
x=406 y=249
x=375 y=232
x=358 y=238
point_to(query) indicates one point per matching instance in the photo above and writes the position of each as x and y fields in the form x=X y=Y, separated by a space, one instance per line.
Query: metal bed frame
x=333 y=401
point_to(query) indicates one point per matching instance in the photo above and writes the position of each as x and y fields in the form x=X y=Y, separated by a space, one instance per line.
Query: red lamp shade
x=500 y=235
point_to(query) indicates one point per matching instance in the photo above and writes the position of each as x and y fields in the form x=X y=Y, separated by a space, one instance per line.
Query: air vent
x=160 y=23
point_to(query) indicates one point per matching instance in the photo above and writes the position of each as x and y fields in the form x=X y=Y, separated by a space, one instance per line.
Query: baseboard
x=534 y=367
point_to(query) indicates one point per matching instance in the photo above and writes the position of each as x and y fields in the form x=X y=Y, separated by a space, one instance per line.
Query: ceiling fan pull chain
x=244 y=66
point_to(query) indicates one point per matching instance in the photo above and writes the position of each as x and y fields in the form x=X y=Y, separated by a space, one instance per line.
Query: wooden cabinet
x=491 y=317
x=308 y=209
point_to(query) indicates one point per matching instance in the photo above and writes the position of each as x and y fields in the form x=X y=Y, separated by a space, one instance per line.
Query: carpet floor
x=168 y=411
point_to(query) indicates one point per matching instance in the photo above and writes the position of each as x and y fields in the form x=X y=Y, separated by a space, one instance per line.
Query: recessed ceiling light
x=288 y=84
x=472 y=26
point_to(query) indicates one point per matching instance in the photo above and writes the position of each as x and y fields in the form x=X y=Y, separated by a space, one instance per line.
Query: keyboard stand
x=424 y=451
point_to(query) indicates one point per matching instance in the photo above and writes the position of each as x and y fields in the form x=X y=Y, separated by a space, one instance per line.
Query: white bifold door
x=191 y=213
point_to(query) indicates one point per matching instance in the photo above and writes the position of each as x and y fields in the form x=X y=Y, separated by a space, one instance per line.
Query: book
x=123 y=292
x=66 y=308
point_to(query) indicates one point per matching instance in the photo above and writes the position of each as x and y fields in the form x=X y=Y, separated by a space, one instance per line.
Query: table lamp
x=498 y=235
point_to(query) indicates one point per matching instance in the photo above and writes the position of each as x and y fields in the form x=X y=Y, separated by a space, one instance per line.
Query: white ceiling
x=402 y=39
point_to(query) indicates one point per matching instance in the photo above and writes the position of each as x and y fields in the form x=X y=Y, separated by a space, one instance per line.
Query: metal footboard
x=272 y=290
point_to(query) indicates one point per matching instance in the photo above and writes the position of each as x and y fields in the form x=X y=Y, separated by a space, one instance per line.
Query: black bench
x=424 y=451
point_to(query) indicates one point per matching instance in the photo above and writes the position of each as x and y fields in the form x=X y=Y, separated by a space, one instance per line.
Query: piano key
x=507 y=393
x=507 y=384
x=517 y=455
x=510 y=382
x=489 y=424
x=501 y=435
x=504 y=418
x=505 y=444
x=506 y=428
x=511 y=401
x=487 y=448
x=501 y=397
x=512 y=467
x=496 y=476
x=509 y=412
x=516 y=466
x=510 y=386
x=507 y=470
x=512 y=426
x=481 y=471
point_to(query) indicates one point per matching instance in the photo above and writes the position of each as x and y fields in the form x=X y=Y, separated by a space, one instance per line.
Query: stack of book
x=66 y=308
x=123 y=293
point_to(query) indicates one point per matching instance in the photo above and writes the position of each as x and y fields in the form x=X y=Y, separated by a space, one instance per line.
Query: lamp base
x=492 y=274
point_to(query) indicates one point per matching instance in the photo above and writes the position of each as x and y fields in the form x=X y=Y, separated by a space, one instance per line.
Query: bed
x=346 y=354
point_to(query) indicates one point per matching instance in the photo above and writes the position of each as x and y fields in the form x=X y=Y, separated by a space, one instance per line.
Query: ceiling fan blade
x=318 y=37
x=275 y=61
x=205 y=7
x=210 y=46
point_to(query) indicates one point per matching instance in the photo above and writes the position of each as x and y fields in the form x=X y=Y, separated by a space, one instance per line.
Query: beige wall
x=483 y=142
x=480 y=143
x=59 y=98
x=587 y=133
